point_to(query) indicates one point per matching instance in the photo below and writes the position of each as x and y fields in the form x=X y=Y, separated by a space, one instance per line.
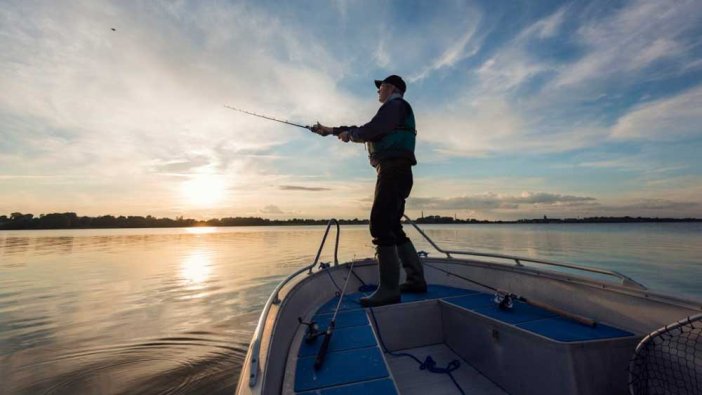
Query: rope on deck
x=428 y=364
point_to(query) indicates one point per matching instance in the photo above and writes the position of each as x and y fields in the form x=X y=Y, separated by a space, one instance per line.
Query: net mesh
x=669 y=360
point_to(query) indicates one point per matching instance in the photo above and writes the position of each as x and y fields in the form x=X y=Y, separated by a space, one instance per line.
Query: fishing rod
x=505 y=299
x=330 y=329
x=310 y=128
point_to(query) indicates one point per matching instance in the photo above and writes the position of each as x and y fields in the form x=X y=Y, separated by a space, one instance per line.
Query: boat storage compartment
x=525 y=350
x=528 y=350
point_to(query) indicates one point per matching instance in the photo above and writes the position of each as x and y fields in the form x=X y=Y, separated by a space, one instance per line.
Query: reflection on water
x=127 y=311
x=196 y=267
x=200 y=230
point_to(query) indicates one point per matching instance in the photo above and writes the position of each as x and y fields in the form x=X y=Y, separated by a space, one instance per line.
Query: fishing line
x=365 y=288
x=502 y=298
x=326 y=267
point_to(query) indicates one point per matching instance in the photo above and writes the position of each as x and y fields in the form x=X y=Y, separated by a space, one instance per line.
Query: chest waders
x=392 y=156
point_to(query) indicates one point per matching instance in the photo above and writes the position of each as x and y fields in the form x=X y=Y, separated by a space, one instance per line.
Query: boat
x=488 y=324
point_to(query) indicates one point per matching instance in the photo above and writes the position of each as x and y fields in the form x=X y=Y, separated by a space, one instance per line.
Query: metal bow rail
x=625 y=280
x=273 y=299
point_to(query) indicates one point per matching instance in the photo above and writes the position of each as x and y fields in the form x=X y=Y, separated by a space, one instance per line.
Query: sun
x=204 y=190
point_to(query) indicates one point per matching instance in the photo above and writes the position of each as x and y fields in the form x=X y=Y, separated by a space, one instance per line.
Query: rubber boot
x=388 y=291
x=415 y=282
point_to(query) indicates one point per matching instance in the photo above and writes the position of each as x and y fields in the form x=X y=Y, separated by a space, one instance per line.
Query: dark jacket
x=394 y=116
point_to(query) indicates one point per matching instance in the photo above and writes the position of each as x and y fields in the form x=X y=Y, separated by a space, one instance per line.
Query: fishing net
x=669 y=360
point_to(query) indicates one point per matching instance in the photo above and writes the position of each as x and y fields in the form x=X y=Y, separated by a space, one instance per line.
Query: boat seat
x=537 y=320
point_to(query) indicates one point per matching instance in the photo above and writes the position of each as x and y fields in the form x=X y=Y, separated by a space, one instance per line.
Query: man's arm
x=385 y=121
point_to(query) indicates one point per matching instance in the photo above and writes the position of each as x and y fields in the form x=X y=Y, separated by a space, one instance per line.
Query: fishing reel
x=312 y=332
x=504 y=300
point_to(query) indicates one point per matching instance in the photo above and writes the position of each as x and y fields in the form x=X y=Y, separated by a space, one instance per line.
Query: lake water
x=151 y=311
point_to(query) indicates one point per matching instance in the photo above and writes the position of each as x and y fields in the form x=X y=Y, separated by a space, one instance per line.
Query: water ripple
x=171 y=365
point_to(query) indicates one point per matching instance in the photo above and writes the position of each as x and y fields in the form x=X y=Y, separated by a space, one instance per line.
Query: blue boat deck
x=355 y=362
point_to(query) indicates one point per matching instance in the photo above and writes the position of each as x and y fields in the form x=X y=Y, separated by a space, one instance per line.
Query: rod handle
x=322 y=351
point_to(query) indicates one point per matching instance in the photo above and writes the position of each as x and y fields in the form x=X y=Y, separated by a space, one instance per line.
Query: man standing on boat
x=390 y=141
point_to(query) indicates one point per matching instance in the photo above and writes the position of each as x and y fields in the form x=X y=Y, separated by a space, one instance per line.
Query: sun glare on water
x=201 y=230
x=204 y=190
x=196 y=267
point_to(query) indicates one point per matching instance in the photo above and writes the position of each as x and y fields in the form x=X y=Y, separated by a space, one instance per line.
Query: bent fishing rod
x=310 y=128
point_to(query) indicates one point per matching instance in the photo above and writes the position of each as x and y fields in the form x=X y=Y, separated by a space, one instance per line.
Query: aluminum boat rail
x=273 y=299
x=625 y=280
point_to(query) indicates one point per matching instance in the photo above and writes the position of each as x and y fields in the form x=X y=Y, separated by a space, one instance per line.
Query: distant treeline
x=597 y=220
x=436 y=219
x=73 y=221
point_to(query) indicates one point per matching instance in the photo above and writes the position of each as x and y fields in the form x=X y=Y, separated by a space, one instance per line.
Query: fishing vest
x=399 y=143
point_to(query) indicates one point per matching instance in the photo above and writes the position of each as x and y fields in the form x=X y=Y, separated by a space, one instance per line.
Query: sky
x=566 y=109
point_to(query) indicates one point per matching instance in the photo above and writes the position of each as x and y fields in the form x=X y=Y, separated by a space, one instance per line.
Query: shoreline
x=279 y=223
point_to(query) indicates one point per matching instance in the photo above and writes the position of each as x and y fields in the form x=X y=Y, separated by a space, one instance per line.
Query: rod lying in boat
x=505 y=300
x=330 y=329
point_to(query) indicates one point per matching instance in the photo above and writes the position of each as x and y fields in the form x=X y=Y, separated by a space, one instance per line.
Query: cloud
x=492 y=201
x=549 y=26
x=668 y=119
x=146 y=101
x=381 y=55
x=463 y=48
x=441 y=38
x=492 y=125
x=654 y=207
x=516 y=62
x=181 y=166
x=627 y=41
x=525 y=99
x=272 y=209
x=476 y=127
x=302 y=188
x=157 y=85
x=492 y=116
x=660 y=204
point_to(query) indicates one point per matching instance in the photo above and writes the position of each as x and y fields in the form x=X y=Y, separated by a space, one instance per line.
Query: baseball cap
x=394 y=80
